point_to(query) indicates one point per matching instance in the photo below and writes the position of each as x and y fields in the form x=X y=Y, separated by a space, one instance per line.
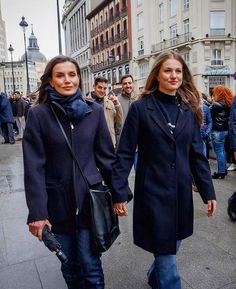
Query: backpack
x=232 y=207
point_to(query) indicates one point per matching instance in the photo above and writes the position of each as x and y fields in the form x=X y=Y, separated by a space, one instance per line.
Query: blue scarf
x=74 y=105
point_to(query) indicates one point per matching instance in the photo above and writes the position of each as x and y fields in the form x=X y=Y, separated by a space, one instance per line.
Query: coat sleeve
x=104 y=149
x=200 y=166
x=118 y=116
x=34 y=169
x=125 y=155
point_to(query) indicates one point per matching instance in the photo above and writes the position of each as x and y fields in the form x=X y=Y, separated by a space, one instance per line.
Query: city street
x=206 y=260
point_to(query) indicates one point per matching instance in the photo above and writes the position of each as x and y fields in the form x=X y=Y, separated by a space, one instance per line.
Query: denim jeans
x=218 y=141
x=163 y=272
x=7 y=131
x=84 y=269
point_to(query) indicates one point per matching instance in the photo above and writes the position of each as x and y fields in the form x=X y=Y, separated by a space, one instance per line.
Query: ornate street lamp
x=24 y=25
x=11 y=49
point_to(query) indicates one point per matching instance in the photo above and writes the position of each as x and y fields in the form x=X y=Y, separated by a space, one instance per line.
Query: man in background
x=111 y=105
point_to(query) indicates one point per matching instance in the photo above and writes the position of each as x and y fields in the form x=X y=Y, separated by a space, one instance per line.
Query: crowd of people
x=166 y=132
x=13 y=114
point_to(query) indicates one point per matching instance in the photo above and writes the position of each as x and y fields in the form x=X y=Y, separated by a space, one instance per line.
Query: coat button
x=173 y=165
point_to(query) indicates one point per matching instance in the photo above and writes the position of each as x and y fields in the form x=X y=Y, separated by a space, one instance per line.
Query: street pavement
x=206 y=260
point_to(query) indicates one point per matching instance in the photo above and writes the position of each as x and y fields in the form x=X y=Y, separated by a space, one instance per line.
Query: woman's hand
x=120 y=209
x=211 y=207
x=36 y=228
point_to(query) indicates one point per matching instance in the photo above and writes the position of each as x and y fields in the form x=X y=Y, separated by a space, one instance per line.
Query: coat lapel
x=157 y=115
x=182 y=120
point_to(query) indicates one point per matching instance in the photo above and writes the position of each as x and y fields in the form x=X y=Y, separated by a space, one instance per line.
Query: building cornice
x=98 y=9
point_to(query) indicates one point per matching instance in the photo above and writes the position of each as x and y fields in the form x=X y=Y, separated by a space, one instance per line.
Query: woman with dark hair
x=165 y=125
x=220 y=110
x=56 y=193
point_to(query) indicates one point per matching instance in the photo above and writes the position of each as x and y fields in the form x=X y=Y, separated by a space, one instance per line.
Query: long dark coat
x=54 y=187
x=163 y=204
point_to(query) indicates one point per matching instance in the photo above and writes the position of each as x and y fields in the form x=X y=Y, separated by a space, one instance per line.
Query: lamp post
x=24 y=25
x=59 y=27
x=2 y=64
x=11 y=49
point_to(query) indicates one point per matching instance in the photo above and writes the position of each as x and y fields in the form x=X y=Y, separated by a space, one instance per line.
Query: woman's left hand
x=211 y=207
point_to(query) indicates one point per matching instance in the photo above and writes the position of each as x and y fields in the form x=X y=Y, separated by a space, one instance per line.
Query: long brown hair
x=187 y=91
x=223 y=94
x=46 y=77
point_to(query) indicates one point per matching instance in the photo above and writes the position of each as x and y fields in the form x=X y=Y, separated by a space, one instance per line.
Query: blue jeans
x=163 y=272
x=218 y=141
x=84 y=269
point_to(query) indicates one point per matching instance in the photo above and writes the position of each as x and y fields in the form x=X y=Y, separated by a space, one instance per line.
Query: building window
x=215 y=80
x=173 y=32
x=141 y=45
x=186 y=29
x=173 y=7
x=186 y=58
x=186 y=4
x=217 y=22
x=143 y=70
x=161 y=12
x=216 y=57
x=140 y=21
x=161 y=35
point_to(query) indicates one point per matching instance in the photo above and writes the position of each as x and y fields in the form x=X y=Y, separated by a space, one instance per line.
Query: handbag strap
x=69 y=145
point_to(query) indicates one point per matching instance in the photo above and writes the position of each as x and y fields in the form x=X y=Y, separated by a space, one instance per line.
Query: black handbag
x=104 y=222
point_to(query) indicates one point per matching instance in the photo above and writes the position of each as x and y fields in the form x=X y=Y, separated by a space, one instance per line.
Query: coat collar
x=158 y=117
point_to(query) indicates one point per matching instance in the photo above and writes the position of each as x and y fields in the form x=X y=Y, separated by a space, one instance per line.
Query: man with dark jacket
x=6 y=119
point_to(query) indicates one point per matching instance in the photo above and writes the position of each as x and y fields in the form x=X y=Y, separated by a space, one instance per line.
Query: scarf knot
x=74 y=105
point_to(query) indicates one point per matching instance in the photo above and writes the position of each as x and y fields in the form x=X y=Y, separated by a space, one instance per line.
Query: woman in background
x=220 y=110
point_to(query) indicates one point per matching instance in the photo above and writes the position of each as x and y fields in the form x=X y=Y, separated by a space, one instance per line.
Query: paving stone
x=20 y=276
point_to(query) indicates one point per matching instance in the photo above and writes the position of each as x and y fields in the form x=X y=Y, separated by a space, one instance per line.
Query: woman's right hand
x=36 y=228
x=120 y=209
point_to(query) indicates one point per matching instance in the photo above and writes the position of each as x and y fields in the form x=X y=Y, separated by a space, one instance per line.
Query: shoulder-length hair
x=223 y=94
x=47 y=76
x=187 y=91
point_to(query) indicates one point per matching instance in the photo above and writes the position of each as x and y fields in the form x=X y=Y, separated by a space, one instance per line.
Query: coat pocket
x=60 y=202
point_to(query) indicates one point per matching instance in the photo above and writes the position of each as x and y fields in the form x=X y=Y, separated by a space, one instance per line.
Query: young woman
x=165 y=125
x=56 y=193
x=220 y=110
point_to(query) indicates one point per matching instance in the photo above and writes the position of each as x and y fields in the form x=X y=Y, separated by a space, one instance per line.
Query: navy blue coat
x=163 y=204
x=54 y=186
x=6 y=115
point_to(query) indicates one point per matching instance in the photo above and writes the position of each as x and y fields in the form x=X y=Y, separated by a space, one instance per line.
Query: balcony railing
x=140 y=52
x=217 y=62
x=119 y=59
x=123 y=11
x=123 y=34
x=217 y=32
x=178 y=40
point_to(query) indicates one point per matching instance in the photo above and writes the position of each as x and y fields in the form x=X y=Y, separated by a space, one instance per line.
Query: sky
x=42 y=14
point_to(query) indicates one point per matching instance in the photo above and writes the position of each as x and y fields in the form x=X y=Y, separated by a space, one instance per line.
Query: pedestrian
x=206 y=126
x=111 y=106
x=6 y=119
x=165 y=125
x=19 y=112
x=126 y=97
x=220 y=110
x=56 y=193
